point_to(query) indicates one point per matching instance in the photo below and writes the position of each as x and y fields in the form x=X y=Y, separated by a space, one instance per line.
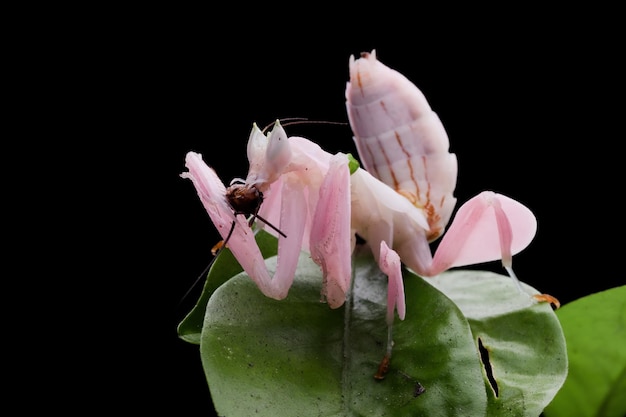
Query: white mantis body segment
x=400 y=139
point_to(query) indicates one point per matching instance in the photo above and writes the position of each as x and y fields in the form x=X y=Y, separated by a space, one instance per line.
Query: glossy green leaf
x=224 y=267
x=338 y=344
x=595 y=328
x=298 y=357
x=526 y=346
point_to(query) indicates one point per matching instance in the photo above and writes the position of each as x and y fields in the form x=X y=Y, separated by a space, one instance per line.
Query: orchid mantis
x=290 y=174
x=404 y=144
x=318 y=202
x=308 y=193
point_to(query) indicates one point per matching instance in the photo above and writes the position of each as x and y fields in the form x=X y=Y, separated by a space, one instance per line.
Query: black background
x=532 y=106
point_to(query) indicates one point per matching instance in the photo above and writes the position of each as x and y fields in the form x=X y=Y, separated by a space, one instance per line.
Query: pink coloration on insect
x=402 y=142
x=401 y=203
x=311 y=207
x=311 y=204
x=330 y=237
x=319 y=207
x=390 y=264
x=310 y=200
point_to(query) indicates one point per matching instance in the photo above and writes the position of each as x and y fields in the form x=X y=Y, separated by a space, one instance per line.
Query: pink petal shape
x=242 y=244
x=308 y=167
x=211 y=191
x=330 y=239
x=389 y=263
x=292 y=204
x=488 y=227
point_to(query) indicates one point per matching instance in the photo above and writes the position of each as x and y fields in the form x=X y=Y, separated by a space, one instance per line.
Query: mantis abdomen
x=400 y=140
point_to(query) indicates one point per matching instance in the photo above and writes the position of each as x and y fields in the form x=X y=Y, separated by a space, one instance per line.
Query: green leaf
x=526 y=347
x=223 y=268
x=595 y=328
x=298 y=357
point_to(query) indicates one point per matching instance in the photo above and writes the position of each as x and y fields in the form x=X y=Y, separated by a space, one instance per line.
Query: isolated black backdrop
x=522 y=114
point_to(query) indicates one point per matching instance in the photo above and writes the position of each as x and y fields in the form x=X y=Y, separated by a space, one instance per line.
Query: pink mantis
x=403 y=142
x=318 y=202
